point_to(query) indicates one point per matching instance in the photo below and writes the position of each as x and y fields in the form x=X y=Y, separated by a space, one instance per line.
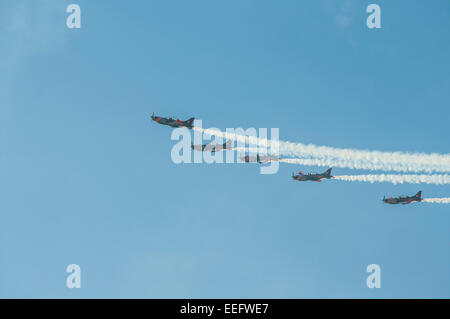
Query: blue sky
x=87 y=178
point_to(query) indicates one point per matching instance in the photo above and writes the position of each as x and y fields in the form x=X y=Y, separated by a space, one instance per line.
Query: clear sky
x=86 y=177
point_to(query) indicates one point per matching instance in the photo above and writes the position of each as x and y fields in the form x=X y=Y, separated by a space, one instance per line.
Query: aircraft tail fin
x=328 y=172
x=190 y=121
x=419 y=194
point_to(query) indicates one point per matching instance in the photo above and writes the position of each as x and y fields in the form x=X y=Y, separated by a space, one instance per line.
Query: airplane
x=212 y=147
x=259 y=159
x=312 y=177
x=403 y=199
x=172 y=122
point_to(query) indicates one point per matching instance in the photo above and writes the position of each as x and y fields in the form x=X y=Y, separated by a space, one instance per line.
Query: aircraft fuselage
x=403 y=199
x=312 y=177
x=173 y=122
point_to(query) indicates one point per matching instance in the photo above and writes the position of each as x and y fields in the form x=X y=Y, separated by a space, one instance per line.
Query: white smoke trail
x=350 y=158
x=317 y=162
x=397 y=179
x=437 y=200
x=436 y=179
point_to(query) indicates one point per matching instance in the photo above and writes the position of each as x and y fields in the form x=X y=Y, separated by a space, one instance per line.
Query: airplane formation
x=260 y=159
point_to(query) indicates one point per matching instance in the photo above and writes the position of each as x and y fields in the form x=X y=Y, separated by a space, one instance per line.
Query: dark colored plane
x=174 y=123
x=259 y=159
x=312 y=177
x=212 y=147
x=403 y=199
